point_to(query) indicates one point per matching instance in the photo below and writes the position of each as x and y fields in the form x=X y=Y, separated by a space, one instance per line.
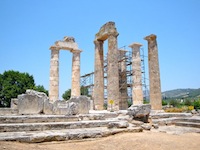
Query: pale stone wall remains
x=137 y=92
x=154 y=73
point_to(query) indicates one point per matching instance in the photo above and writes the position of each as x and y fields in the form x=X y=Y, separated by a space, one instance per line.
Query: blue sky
x=29 y=27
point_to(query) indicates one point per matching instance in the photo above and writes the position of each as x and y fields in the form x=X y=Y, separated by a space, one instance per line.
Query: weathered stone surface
x=107 y=31
x=31 y=102
x=194 y=111
x=79 y=105
x=54 y=75
x=121 y=124
x=60 y=135
x=124 y=117
x=154 y=73
x=123 y=103
x=140 y=111
x=75 y=90
x=155 y=126
x=98 y=94
x=146 y=126
x=8 y=111
x=48 y=107
x=14 y=103
x=137 y=122
x=74 y=106
x=137 y=92
x=68 y=43
x=112 y=73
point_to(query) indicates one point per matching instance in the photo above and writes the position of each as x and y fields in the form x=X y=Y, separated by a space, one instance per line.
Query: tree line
x=14 y=83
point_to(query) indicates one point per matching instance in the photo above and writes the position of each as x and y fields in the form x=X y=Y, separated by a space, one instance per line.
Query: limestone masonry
x=154 y=73
x=35 y=117
x=68 y=43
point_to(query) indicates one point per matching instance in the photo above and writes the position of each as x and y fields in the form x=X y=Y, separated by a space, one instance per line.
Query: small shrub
x=196 y=104
x=188 y=102
x=174 y=110
x=146 y=101
x=129 y=103
x=105 y=106
x=174 y=103
x=190 y=108
x=164 y=103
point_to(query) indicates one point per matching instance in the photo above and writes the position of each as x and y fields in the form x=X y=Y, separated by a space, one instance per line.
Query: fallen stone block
x=146 y=126
x=82 y=104
x=32 y=102
x=140 y=112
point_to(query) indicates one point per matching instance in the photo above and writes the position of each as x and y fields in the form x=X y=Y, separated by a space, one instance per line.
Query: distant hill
x=182 y=93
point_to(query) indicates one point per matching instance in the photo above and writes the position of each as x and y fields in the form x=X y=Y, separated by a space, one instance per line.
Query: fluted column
x=54 y=75
x=137 y=92
x=99 y=76
x=75 y=90
x=112 y=72
x=154 y=73
x=123 y=101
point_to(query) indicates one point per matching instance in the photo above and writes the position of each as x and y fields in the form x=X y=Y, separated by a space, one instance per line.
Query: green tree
x=40 y=88
x=197 y=104
x=84 y=91
x=188 y=102
x=67 y=94
x=13 y=83
x=164 y=102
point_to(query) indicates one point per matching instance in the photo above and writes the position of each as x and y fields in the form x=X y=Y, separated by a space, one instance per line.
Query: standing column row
x=54 y=74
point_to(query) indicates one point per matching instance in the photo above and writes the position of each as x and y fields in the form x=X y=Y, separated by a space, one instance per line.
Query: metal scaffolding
x=87 y=80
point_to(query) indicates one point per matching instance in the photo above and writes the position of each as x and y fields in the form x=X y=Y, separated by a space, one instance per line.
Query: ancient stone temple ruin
x=117 y=80
x=68 y=43
x=35 y=117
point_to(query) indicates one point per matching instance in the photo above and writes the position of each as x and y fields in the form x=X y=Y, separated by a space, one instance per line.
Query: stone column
x=112 y=72
x=75 y=90
x=98 y=93
x=123 y=103
x=137 y=92
x=54 y=75
x=154 y=73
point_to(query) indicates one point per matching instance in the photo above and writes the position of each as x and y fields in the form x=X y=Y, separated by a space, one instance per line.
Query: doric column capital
x=75 y=51
x=135 y=45
x=151 y=37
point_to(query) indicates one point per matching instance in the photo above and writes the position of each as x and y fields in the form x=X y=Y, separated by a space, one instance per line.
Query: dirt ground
x=124 y=141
